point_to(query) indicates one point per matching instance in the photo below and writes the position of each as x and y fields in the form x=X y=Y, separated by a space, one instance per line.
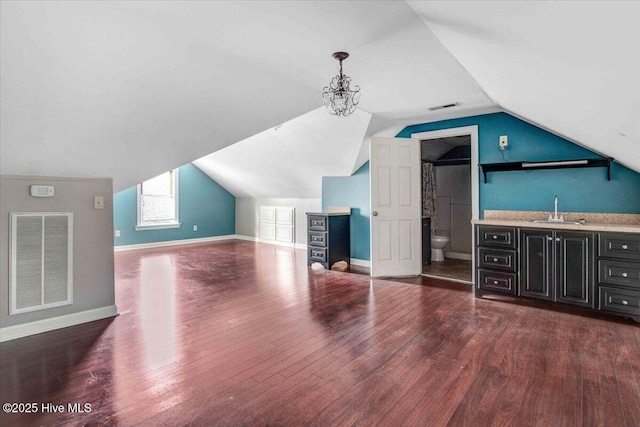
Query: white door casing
x=472 y=131
x=396 y=231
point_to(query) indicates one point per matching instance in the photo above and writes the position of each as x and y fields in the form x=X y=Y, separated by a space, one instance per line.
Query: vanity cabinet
x=594 y=269
x=328 y=238
x=557 y=265
x=496 y=260
x=619 y=274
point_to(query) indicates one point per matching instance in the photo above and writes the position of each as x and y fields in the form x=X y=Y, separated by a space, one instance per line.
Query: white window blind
x=41 y=267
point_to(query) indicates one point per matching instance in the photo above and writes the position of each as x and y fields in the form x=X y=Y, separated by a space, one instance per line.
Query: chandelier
x=339 y=99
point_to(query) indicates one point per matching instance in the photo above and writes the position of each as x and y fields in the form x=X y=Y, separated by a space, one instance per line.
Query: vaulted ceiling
x=131 y=89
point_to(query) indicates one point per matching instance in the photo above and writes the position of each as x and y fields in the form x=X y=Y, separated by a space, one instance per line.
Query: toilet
x=437 y=244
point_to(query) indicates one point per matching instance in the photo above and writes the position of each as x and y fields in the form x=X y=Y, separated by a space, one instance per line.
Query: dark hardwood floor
x=457 y=269
x=238 y=333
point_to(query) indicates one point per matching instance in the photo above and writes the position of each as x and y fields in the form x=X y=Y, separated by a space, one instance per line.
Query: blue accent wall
x=203 y=202
x=578 y=190
x=351 y=191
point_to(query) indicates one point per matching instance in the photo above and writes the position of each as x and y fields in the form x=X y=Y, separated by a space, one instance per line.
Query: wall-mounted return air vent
x=41 y=264
x=442 y=107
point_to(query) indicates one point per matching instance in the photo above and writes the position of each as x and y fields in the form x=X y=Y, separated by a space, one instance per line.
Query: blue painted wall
x=351 y=191
x=579 y=190
x=203 y=202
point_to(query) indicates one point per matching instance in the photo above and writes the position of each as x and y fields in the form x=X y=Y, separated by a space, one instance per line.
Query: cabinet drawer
x=496 y=281
x=317 y=239
x=317 y=254
x=501 y=237
x=619 y=301
x=495 y=258
x=317 y=223
x=623 y=246
x=622 y=273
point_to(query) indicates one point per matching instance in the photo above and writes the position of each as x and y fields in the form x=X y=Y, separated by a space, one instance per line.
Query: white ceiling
x=571 y=67
x=131 y=89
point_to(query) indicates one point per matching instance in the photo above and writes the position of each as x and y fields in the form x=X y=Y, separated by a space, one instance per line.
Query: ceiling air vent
x=442 y=107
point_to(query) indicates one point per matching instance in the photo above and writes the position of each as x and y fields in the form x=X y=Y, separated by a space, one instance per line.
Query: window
x=158 y=202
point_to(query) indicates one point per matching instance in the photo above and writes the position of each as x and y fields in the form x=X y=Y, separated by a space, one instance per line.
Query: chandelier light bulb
x=338 y=97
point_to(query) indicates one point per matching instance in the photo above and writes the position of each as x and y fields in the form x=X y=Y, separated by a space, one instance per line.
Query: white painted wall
x=453 y=184
x=248 y=214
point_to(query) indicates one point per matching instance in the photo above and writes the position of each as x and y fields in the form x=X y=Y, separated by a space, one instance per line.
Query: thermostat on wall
x=42 y=190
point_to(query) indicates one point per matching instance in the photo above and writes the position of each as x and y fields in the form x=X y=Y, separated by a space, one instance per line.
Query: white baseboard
x=46 y=325
x=458 y=255
x=271 y=242
x=360 y=262
x=173 y=243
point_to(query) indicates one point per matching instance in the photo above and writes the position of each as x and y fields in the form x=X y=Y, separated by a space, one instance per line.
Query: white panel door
x=395 y=207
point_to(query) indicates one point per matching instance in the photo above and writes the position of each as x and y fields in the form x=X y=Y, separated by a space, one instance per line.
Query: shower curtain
x=429 y=195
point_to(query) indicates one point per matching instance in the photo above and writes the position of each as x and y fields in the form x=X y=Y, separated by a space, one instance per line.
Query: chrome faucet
x=555 y=218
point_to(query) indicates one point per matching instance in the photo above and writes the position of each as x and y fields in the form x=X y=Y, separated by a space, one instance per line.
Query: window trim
x=160 y=225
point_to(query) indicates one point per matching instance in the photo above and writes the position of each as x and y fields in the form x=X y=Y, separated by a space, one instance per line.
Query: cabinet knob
x=624 y=302
x=495 y=260
x=495 y=282
x=495 y=237
x=625 y=247
x=557 y=239
x=624 y=274
x=549 y=238
x=374 y=213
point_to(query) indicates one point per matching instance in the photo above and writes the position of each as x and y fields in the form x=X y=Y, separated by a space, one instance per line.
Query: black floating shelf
x=558 y=164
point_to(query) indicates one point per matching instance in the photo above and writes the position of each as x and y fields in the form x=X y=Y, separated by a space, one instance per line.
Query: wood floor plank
x=240 y=333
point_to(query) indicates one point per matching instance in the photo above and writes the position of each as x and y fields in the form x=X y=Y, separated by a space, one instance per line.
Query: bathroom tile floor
x=456 y=269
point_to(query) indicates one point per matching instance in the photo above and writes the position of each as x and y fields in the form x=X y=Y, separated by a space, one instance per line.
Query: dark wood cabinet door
x=536 y=263
x=575 y=263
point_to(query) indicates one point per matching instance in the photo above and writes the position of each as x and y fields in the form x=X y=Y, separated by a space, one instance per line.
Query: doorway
x=450 y=202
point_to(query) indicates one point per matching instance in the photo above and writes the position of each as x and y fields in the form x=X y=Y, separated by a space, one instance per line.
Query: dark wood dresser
x=328 y=238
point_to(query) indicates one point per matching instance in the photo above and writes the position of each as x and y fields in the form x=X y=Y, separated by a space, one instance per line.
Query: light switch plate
x=98 y=202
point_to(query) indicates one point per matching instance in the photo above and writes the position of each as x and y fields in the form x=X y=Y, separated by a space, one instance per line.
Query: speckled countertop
x=622 y=223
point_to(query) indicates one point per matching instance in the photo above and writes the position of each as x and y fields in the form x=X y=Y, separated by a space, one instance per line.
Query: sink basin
x=546 y=221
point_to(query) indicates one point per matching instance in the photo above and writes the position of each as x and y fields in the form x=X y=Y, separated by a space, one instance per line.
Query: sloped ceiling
x=290 y=158
x=131 y=89
x=570 y=67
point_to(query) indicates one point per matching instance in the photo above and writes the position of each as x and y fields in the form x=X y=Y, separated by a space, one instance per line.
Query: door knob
x=374 y=213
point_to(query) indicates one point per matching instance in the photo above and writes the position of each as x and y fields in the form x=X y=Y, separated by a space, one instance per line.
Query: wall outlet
x=98 y=202
x=195 y=228
x=503 y=141
x=117 y=233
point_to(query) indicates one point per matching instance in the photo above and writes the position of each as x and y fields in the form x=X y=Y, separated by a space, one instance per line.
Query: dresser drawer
x=490 y=258
x=317 y=254
x=623 y=273
x=316 y=223
x=497 y=281
x=317 y=239
x=619 y=301
x=622 y=246
x=501 y=237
